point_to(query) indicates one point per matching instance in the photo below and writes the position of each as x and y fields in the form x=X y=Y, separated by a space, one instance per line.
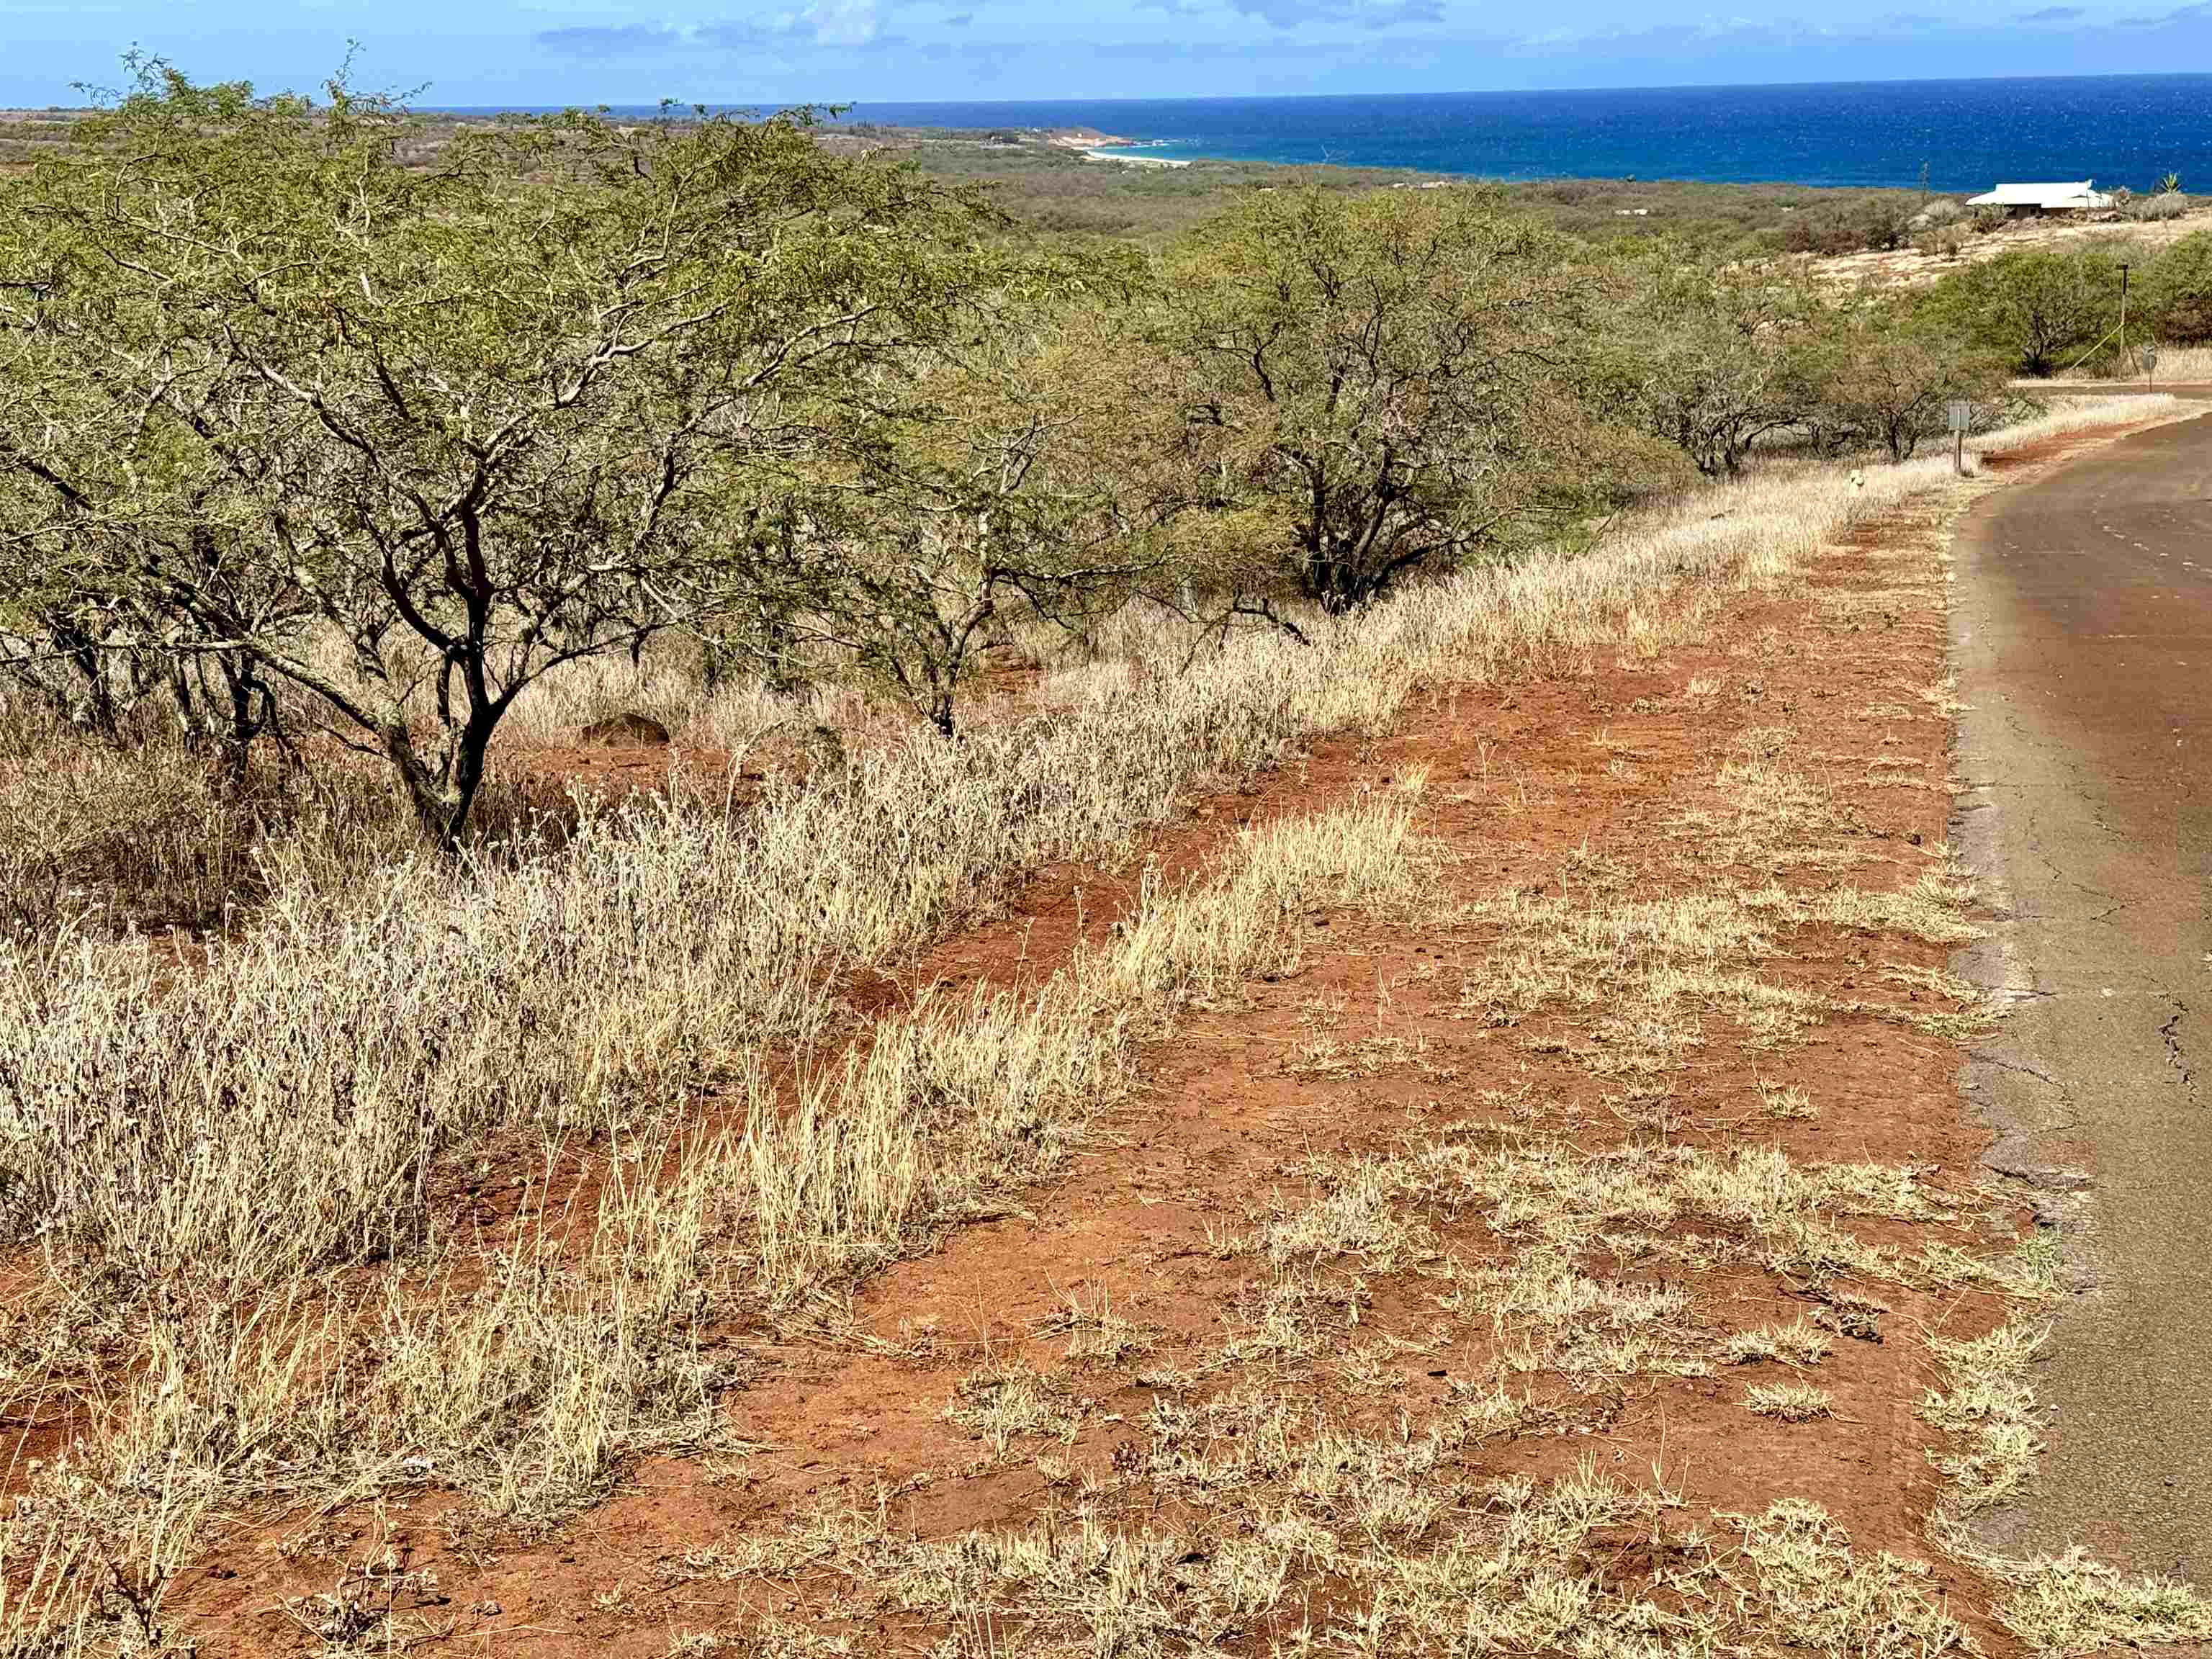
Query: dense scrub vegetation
x=314 y=439
x=2055 y=307
x=1056 y=190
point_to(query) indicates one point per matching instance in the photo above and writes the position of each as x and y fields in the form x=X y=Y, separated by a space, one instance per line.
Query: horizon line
x=1306 y=97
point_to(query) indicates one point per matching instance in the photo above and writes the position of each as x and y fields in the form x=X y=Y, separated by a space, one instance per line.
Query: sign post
x=1961 y=414
x=2150 y=363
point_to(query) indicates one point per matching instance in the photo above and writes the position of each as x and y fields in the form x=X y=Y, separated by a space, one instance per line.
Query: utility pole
x=2124 y=312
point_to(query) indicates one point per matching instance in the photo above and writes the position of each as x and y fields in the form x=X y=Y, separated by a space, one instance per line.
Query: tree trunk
x=189 y=718
x=441 y=805
x=82 y=652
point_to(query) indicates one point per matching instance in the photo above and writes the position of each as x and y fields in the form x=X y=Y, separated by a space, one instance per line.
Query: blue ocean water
x=2118 y=130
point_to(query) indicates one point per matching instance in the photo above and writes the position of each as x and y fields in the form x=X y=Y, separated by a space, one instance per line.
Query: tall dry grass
x=524 y=1371
x=217 y=1162
x=2176 y=366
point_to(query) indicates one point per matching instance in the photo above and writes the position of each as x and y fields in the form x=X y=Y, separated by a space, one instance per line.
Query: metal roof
x=2079 y=194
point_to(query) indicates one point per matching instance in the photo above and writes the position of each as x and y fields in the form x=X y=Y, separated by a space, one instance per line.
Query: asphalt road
x=2082 y=629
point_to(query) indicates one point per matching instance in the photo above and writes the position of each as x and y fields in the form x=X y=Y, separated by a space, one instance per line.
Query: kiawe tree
x=2036 y=306
x=1888 y=373
x=1004 y=500
x=122 y=573
x=1371 y=387
x=1709 y=357
x=567 y=385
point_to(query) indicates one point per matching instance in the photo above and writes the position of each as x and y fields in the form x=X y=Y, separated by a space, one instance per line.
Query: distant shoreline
x=1090 y=146
x=1949 y=136
x=1968 y=135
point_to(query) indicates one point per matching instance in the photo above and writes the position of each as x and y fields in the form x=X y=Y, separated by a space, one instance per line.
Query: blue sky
x=770 y=51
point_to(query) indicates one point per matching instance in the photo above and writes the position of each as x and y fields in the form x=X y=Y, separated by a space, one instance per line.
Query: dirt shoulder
x=1580 y=1234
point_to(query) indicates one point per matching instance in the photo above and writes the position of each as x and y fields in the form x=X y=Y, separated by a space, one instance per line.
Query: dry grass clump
x=86 y=827
x=1822 y=1596
x=1652 y=966
x=1639 y=975
x=1095 y=1332
x=1541 y=1299
x=2070 y=1604
x=1004 y=1403
x=1771 y=817
x=948 y=1105
x=1420 y=1561
x=1798 y=1343
x=1790 y=1403
x=347 y=1050
x=98 y=837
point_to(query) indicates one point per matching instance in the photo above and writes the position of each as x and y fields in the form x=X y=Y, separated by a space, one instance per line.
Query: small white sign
x=2150 y=357
x=1962 y=416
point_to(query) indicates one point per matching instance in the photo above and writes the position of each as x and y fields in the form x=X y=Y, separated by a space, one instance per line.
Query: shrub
x=2032 y=305
x=554 y=394
x=1357 y=390
x=1889 y=376
x=1709 y=356
x=2176 y=292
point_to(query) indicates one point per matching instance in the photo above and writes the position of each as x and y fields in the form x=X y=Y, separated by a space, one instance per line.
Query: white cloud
x=842 y=22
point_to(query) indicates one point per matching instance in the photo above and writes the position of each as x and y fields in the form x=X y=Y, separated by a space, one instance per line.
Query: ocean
x=2116 y=129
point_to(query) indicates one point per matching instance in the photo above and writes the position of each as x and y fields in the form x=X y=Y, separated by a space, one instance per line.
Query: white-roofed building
x=2078 y=197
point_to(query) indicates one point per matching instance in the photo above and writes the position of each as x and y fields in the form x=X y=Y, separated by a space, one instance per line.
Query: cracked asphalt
x=2081 y=628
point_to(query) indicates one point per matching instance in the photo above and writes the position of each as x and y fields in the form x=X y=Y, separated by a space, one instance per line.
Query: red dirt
x=1521 y=779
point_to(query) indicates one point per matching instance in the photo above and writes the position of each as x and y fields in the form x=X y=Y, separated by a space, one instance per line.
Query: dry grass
x=1635 y=979
x=2063 y=1604
x=1788 y=1403
x=282 y=1258
x=1427 y=1563
x=2177 y=365
x=2077 y=415
x=526 y=1372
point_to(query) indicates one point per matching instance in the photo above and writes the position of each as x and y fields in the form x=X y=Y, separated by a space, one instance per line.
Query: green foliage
x=2036 y=306
x=560 y=389
x=1010 y=502
x=2175 y=291
x=1368 y=388
x=1051 y=190
x=1711 y=356
x=1885 y=373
